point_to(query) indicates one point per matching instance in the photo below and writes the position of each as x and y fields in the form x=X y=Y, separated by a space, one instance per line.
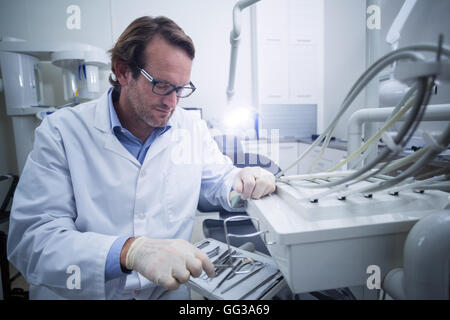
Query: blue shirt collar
x=115 y=122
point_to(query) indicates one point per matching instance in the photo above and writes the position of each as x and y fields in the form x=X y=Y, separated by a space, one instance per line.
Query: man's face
x=164 y=62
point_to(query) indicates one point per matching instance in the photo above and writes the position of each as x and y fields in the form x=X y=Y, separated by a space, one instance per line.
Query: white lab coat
x=81 y=189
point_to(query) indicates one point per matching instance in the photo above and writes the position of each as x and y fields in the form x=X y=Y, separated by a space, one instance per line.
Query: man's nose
x=171 y=100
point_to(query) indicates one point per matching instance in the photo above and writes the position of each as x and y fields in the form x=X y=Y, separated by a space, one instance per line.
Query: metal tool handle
x=265 y=239
x=240 y=218
x=248 y=235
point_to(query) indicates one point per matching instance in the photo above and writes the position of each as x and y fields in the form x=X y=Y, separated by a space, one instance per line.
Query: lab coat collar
x=103 y=123
x=114 y=119
x=165 y=139
x=102 y=116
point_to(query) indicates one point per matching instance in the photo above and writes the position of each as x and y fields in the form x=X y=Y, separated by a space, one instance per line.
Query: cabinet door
x=283 y=154
x=303 y=74
x=329 y=159
x=290 y=51
x=288 y=153
x=304 y=165
x=332 y=157
x=274 y=72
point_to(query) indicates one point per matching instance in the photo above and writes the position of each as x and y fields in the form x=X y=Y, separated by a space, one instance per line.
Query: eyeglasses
x=163 y=88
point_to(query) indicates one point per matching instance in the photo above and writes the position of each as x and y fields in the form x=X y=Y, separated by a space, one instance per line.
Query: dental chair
x=9 y=293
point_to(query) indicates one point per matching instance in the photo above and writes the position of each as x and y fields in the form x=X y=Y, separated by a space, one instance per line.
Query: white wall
x=345 y=23
x=208 y=23
x=45 y=20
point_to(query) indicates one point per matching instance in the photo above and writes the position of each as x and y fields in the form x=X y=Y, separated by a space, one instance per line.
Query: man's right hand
x=166 y=262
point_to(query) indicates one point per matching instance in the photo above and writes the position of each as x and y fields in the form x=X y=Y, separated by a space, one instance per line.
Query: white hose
x=400 y=54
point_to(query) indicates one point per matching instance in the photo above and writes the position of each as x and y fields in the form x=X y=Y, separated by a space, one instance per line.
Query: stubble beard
x=144 y=114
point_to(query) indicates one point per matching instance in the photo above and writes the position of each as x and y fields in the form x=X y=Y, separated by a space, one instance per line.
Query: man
x=107 y=198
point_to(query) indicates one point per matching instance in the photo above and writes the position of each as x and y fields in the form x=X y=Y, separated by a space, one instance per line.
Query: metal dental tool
x=203 y=244
x=242 y=267
x=236 y=269
x=223 y=258
x=260 y=285
x=228 y=274
x=241 y=280
x=221 y=264
x=214 y=252
x=227 y=263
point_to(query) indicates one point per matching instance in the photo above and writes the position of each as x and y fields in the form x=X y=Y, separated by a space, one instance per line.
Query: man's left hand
x=254 y=182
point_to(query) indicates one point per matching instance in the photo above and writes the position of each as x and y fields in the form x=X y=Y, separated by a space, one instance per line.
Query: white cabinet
x=288 y=154
x=329 y=159
x=290 y=51
x=283 y=154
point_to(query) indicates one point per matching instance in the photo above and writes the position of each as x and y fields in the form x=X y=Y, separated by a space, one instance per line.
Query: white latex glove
x=167 y=262
x=254 y=182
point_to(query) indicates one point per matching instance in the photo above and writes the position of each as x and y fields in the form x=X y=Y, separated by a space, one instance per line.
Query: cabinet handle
x=265 y=239
x=304 y=40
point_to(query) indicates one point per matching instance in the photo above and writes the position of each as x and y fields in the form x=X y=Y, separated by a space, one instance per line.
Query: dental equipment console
x=329 y=230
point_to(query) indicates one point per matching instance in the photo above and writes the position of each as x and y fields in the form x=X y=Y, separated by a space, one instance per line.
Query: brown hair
x=130 y=47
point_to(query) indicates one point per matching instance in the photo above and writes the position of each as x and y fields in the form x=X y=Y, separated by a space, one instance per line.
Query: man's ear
x=122 y=72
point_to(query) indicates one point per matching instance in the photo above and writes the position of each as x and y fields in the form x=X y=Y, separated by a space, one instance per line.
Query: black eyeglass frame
x=154 y=82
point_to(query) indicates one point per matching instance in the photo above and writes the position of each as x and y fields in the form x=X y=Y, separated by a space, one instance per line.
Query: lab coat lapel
x=166 y=139
x=113 y=144
x=160 y=144
x=103 y=123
